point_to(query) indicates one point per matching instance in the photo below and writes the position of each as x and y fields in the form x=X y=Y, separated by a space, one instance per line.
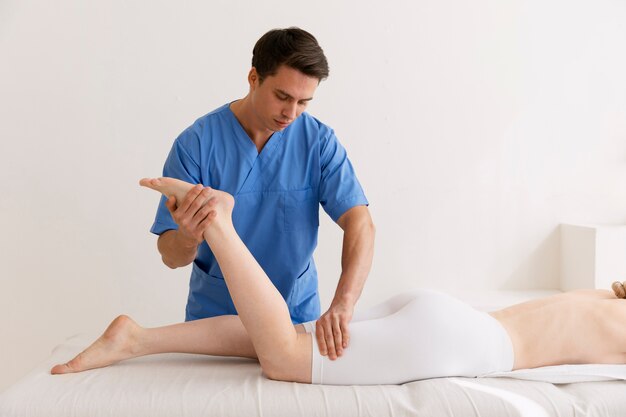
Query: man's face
x=280 y=98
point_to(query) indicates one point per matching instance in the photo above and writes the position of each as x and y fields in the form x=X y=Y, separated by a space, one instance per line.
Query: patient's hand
x=619 y=289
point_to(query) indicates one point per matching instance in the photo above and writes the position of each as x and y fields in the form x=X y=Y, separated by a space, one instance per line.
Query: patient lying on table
x=416 y=335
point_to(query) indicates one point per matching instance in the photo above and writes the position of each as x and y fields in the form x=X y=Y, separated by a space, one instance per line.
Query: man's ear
x=253 y=78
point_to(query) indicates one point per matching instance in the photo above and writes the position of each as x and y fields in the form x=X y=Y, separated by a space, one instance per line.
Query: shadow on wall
x=540 y=269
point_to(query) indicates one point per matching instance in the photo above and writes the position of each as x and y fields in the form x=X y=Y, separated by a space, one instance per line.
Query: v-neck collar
x=246 y=141
x=258 y=161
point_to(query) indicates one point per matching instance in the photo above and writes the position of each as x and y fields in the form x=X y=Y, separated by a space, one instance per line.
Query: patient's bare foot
x=168 y=186
x=118 y=342
x=221 y=201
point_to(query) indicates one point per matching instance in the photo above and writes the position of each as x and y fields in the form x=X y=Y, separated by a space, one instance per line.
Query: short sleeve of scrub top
x=182 y=165
x=339 y=188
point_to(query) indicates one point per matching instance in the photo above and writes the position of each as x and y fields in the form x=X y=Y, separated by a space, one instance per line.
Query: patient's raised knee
x=288 y=361
x=283 y=370
x=275 y=369
x=273 y=374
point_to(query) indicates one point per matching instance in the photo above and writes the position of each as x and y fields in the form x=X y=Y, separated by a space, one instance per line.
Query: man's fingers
x=202 y=214
x=325 y=339
x=345 y=334
x=197 y=203
x=191 y=197
x=321 y=341
x=170 y=203
x=206 y=221
x=330 y=341
x=203 y=217
x=338 y=336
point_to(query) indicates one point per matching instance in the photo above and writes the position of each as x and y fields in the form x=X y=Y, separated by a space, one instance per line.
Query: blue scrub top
x=277 y=196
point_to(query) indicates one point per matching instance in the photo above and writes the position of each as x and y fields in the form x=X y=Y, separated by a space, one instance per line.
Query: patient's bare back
x=584 y=326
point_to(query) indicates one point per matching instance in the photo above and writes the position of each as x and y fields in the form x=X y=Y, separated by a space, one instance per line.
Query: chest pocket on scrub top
x=301 y=209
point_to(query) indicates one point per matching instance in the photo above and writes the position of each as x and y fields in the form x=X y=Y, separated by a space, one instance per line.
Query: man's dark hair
x=293 y=47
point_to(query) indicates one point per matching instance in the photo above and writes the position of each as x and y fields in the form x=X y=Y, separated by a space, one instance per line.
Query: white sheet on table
x=566 y=374
x=193 y=385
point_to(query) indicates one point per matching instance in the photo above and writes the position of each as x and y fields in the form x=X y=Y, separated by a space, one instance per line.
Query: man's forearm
x=176 y=252
x=356 y=258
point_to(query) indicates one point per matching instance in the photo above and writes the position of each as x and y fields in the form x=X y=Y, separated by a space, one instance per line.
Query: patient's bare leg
x=225 y=335
x=125 y=339
x=282 y=352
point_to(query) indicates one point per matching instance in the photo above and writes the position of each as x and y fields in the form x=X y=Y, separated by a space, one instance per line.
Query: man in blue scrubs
x=280 y=163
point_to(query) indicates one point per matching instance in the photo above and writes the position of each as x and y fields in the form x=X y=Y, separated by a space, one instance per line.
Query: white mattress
x=195 y=385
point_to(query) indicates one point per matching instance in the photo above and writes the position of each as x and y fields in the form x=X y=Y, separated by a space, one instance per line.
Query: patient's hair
x=293 y=47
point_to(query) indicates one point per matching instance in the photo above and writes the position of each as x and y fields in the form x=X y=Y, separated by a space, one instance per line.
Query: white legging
x=416 y=335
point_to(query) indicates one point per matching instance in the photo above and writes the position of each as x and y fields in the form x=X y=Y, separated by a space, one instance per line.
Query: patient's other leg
x=125 y=339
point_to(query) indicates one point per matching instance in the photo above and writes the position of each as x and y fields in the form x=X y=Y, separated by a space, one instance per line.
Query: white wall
x=475 y=128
